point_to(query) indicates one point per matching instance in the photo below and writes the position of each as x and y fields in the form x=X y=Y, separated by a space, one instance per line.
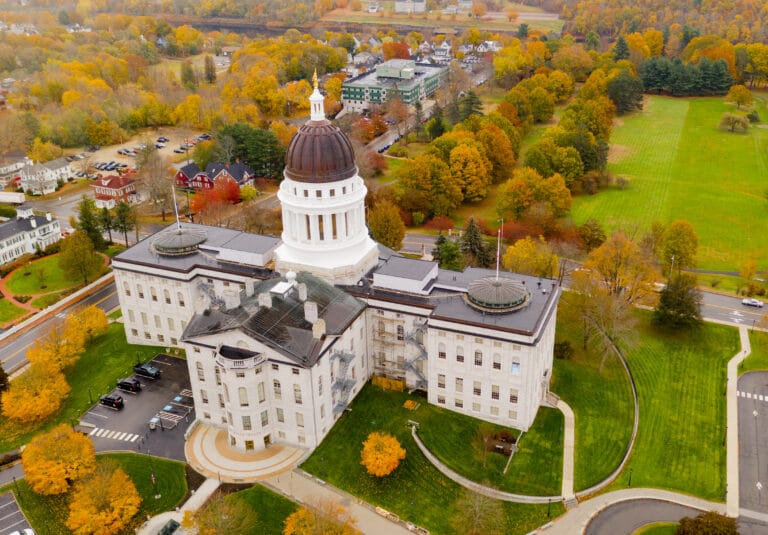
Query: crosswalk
x=114 y=435
x=750 y=395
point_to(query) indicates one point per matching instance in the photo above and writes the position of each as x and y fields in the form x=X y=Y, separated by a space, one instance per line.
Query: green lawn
x=688 y=169
x=107 y=359
x=54 y=280
x=758 y=359
x=601 y=402
x=9 y=311
x=47 y=514
x=681 y=388
x=416 y=490
x=658 y=528
x=271 y=507
x=48 y=300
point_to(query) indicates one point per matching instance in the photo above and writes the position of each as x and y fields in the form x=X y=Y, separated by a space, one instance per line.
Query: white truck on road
x=12 y=197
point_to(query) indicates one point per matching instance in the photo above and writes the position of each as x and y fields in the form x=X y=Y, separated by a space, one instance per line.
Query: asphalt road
x=624 y=518
x=14 y=352
x=753 y=442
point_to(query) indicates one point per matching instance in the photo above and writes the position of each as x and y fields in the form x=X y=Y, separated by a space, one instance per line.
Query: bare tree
x=156 y=175
x=477 y=514
x=481 y=441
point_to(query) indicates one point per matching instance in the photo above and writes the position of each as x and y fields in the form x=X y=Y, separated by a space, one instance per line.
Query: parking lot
x=166 y=402
x=11 y=517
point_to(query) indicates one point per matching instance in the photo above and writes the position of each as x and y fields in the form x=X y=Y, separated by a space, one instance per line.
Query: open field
x=107 y=359
x=681 y=166
x=9 y=311
x=27 y=280
x=272 y=509
x=48 y=514
x=680 y=380
x=416 y=490
x=601 y=402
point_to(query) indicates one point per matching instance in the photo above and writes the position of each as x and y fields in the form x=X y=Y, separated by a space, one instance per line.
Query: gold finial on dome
x=314 y=79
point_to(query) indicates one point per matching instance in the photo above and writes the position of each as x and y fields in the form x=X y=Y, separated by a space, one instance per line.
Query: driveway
x=11 y=517
x=753 y=444
x=626 y=517
x=168 y=399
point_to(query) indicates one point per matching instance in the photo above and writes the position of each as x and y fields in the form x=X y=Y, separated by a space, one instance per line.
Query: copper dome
x=320 y=152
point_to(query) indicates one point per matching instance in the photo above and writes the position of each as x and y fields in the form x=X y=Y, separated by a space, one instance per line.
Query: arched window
x=127 y=289
x=153 y=293
x=496 y=361
x=200 y=372
x=478 y=358
x=180 y=297
x=400 y=332
x=167 y=296
x=459 y=354
x=140 y=291
x=242 y=395
x=441 y=350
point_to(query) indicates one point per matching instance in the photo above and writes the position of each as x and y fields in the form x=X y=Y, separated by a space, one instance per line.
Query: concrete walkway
x=576 y=520
x=732 y=425
x=569 y=446
x=195 y=502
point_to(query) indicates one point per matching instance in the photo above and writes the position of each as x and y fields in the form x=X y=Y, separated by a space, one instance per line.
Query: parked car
x=129 y=384
x=159 y=146
x=163 y=139
x=179 y=151
x=147 y=370
x=169 y=528
x=114 y=401
x=751 y=302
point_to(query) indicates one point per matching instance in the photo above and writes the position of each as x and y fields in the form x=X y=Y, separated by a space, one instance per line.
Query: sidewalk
x=569 y=445
x=732 y=424
x=195 y=502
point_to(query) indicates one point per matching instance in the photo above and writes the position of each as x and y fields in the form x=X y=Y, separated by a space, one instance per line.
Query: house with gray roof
x=26 y=234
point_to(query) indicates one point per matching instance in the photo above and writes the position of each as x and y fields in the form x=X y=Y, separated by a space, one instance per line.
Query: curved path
x=626 y=517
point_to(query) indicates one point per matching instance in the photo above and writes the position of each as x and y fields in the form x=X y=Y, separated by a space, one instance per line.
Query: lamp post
x=90 y=396
x=629 y=484
x=549 y=505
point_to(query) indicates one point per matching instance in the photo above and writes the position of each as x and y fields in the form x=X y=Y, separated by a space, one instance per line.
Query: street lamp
x=549 y=505
x=90 y=396
x=630 y=478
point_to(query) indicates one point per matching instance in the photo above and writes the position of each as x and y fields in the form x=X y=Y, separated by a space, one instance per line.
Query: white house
x=282 y=333
x=410 y=6
x=43 y=178
x=26 y=234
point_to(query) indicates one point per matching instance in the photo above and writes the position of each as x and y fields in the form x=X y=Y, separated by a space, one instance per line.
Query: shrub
x=22 y=298
x=398 y=150
x=753 y=117
x=564 y=350
x=6 y=210
x=417 y=218
x=440 y=222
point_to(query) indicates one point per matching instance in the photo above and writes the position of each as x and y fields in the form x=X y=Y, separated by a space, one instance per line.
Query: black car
x=129 y=384
x=114 y=401
x=147 y=370
x=163 y=139
x=169 y=528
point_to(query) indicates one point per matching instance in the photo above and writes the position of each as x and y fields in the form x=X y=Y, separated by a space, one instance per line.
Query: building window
x=143 y=318
x=221 y=401
x=459 y=384
x=496 y=361
x=515 y=367
x=322 y=411
x=476 y=407
x=494 y=411
x=196 y=349
x=127 y=289
x=170 y=324
x=167 y=296
x=200 y=372
x=513 y=415
x=400 y=333
x=440 y=380
x=441 y=400
x=494 y=391
x=260 y=392
x=320 y=385
x=275 y=367
x=242 y=395
x=441 y=350
x=280 y=415
x=247 y=423
x=204 y=396
x=458 y=403
x=180 y=298
x=131 y=317
x=513 y=395
x=295 y=371
x=478 y=358
x=207 y=415
x=277 y=389
x=147 y=336
x=299 y=420
x=281 y=434
x=476 y=388
x=240 y=375
x=139 y=291
x=174 y=341
x=297 y=394
x=134 y=332
x=264 y=418
x=153 y=293
x=302 y=439
x=158 y=323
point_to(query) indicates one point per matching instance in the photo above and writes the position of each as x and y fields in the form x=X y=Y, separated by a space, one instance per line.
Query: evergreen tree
x=689 y=33
x=210 y=69
x=188 y=75
x=620 y=49
x=436 y=252
x=470 y=104
x=447 y=254
x=257 y=147
x=419 y=116
x=626 y=92
x=107 y=222
x=436 y=125
x=125 y=219
x=473 y=247
x=522 y=30
x=88 y=222
x=679 y=303
x=5 y=381
x=592 y=40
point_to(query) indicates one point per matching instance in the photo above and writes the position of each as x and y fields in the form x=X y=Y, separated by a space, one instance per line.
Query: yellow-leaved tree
x=55 y=458
x=90 y=322
x=322 y=516
x=61 y=347
x=35 y=394
x=381 y=454
x=103 y=503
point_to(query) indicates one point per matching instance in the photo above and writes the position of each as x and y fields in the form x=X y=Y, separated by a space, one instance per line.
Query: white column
x=313 y=222
x=327 y=228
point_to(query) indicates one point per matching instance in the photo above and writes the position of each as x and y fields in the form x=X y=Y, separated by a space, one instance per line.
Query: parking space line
x=134 y=438
x=95 y=430
x=99 y=415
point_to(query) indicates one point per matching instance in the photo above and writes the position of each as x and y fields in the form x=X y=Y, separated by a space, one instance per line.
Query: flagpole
x=498 y=247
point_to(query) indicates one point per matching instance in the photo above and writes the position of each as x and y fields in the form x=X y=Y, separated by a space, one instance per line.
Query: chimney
x=302 y=291
x=290 y=278
x=318 y=329
x=265 y=300
x=249 y=287
x=310 y=312
x=33 y=222
x=48 y=216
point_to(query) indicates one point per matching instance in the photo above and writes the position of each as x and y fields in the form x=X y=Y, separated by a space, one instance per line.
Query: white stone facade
x=27 y=233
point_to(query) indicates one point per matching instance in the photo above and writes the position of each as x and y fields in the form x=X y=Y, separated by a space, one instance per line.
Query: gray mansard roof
x=282 y=325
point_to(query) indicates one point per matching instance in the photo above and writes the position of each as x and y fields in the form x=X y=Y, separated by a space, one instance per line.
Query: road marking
x=100 y=432
x=99 y=415
x=750 y=395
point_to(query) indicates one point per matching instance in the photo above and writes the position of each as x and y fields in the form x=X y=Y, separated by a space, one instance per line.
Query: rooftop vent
x=497 y=295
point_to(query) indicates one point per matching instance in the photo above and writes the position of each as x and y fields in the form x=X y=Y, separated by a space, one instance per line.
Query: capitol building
x=282 y=333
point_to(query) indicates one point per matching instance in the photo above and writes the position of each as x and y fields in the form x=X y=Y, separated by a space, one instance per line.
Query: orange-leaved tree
x=55 y=458
x=103 y=503
x=35 y=394
x=90 y=322
x=381 y=454
x=324 y=517
x=61 y=347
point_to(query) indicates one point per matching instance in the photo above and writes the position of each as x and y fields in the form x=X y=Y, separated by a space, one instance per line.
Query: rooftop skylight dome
x=497 y=294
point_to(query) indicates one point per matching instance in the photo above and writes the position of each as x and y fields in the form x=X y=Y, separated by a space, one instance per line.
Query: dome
x=491 y=294
x=319 y=153
x=178 y=242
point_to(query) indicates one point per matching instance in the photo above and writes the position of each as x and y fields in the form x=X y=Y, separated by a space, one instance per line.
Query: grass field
x=681 y=166
x=758 y=359
x=601 y=402
x=658 y=528
x=48 y=300
x=9 y=311
x=416 y=490
x=107 y=359
x=47 y=514
x=21 y=284
x=271 y=507
x=681 y=388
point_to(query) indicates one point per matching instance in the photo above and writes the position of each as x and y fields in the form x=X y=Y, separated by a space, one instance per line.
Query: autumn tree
x=386 y=225
x=35 y=394
x=210 y=69
x=61 y=346
x=710 y=523
x=471 y=170
x=679 y=303
x=477 y=514
x=591 y=235
x=156 y=175
x=381 y=454
x=397 y=112
x=188 y=75
x=321 y=517
x=734 y=123
x=531 y=257
x=680 y=246
x=5 y=381
x=78 y=259
x=739 y=95
x=54 y=459
x=223 y=515
x=395 y=50
x=103 y=503
x=89 y=322
x=481 y=441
